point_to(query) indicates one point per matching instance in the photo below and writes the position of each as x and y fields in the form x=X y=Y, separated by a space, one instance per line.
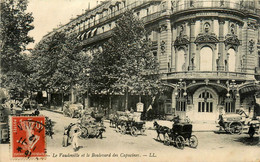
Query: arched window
x=180 y=60
x=181 y=101
x=206 y=55
x=231 y=60
x=205 y=102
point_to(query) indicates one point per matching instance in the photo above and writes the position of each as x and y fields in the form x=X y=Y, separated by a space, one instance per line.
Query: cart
x=238 y=124
x=180 y=135
x=133 y=127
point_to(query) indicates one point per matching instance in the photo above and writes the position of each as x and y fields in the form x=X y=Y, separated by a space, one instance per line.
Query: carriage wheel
x=235 y=128
x=123 y=129
x=167 y=141
x=134 y=131
x=84 y=133
x=193 y=141
x=180 y=142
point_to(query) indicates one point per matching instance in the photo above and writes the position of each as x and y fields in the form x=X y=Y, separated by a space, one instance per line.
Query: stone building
x=208 y=50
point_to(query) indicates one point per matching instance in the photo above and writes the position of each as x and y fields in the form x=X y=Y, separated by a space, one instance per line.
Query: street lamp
x=233 y=87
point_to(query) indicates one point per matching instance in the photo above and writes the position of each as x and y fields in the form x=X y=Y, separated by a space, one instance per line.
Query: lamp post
x=181 y=96
x=181 y=85
x=232 y=95
x=233 y=87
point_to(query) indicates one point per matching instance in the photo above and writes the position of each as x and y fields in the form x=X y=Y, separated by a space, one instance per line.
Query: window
x=206 y=59
x=181 y=101
x=205 y=103
x=180 y=64
x=229 y=105
x=231 y=60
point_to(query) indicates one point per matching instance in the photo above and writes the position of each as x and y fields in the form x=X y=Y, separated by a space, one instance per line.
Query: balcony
x=246 y=6
x=215 y=75
x=98 y=37
x=151 y=17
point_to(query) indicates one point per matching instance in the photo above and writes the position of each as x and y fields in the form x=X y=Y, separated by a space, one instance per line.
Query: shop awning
x=83 y=36
x=89 y=34
x=253 y=88
x=94 y=31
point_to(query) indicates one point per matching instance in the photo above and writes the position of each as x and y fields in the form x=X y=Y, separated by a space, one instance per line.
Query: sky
x=49 y=14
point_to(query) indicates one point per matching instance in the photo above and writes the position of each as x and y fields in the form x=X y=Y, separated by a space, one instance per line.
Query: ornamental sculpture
x=251 y=45
x=162 y=47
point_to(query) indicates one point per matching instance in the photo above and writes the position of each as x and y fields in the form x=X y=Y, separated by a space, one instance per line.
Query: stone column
x=192 y=46
x=220 y=66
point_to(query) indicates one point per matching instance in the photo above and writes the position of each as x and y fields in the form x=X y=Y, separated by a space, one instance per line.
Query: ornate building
x=208 y=50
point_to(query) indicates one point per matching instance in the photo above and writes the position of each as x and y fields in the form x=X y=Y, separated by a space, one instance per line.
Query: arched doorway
x=206 y=55
x=205 y=104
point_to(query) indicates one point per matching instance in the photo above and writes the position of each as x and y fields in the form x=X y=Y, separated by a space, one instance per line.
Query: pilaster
x=165 y=45
x=220 y=66
x=192 y=46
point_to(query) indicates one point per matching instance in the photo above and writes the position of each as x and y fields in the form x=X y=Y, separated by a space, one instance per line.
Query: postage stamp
x=28 y=137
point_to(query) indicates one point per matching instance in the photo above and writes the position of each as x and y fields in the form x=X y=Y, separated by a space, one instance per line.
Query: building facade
x=208 y=50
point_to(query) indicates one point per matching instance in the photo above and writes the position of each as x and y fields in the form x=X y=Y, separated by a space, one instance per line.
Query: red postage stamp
x=28 y=137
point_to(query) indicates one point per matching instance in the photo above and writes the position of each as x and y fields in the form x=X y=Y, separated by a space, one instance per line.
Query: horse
x=160 y=130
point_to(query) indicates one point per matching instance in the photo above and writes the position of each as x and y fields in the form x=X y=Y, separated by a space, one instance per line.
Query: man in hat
x=75 y=139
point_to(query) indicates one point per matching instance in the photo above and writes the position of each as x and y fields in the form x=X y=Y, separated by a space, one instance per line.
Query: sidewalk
x=197 y=126
x=58 y=110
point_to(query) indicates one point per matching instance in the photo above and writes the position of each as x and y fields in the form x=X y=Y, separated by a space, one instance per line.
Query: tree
x=59 y=65
x=126 y=63
x=15 y=26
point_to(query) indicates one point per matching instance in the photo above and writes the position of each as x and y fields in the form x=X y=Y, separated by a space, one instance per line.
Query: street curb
x=107 y=121
x=43 y=108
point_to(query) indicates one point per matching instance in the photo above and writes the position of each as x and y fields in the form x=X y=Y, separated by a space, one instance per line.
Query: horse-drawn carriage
x=179 y=135
x=126 y=122
x=239 y=123
x=87 y=125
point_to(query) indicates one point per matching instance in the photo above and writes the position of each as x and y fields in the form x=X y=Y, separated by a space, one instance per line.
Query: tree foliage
x=126 y=62
x=58 y=64
x=15 y=25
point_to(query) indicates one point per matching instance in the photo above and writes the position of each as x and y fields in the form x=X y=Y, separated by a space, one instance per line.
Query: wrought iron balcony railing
x=209 y=75
x=245 y=6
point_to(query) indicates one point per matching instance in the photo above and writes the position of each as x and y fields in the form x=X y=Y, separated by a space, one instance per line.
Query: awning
x=252 y=88
x=93 y=32
x=78 y=37
x=83 y=36
x=89 y=34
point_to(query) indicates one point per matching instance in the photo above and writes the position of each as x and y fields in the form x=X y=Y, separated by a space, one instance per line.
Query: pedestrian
x=37 y=112
x=65 y=137
x=75 y=139
x=12 y=108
